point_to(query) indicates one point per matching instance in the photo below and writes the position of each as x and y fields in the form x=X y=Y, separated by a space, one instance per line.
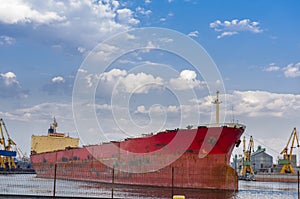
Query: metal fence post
x=113 y=181
x=298 y=184
x=172 y=182
x=54 y=183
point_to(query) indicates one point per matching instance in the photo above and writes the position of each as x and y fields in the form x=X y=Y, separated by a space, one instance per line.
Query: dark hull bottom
x=17 y=171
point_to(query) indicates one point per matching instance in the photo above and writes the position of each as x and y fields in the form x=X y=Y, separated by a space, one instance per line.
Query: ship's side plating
x=196 y=166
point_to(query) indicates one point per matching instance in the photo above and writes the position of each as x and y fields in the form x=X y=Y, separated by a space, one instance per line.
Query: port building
x=261 y=161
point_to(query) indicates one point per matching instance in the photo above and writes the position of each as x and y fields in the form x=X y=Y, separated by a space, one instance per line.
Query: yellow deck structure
x=53 y=141
x=41 y=144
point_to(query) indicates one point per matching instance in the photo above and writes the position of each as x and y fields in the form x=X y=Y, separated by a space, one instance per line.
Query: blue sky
x=254 y=44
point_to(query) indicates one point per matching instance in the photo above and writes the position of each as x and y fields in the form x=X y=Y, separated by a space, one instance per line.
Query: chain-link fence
x=31 y=186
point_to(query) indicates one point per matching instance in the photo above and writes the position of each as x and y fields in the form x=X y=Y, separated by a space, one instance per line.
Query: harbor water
x=29 y=185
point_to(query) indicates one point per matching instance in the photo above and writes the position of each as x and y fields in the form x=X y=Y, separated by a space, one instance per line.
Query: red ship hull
x=201 y=163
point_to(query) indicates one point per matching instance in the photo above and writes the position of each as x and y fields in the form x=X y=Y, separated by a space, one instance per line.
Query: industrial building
x=260 y=161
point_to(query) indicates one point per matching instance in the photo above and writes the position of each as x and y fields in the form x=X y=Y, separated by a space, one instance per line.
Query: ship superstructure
x=53 y=141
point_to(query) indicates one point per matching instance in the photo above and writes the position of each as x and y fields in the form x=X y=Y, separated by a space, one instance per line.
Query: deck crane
x=6 y=153
x=247 y=168
x=287 y=155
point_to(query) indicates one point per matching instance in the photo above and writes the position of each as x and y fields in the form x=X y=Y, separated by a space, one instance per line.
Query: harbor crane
x=247 y=168
x=286 y=162
x=6 y=153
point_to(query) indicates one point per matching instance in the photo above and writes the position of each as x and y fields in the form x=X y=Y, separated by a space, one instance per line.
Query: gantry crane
x=247 y=168
x=6 y=153
x=287 y=155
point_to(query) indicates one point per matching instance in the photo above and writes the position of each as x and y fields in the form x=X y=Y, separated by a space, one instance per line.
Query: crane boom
x=286 y=162
x=2 y=140
x=247 y=170
x=6 y=154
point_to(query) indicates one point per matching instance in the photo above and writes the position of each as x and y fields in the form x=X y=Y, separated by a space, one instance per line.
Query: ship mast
x=54 y=125
x=217 y=102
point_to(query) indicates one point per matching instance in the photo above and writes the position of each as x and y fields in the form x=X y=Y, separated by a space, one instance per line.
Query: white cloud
x=19 y=11
x=229 y=28
x=224 y=34
x=9 y=78
x=6 y=40
x=40 y=112
x=81 y=23
x=166 y=40
x=159 y=109
x=10 y=86
x=194 y=34
x=186 y=80
x=112 y=75
x=173 y=109
x=292 y=70
x=170 y=14
x=107 y=80
x=81 y=49
x=150 y=46
x=125 y=16
x=147 y=1
x=272 y=68
x=80 y=70
x=58 y=79
x=141 y=109
x=115 y=4
x=263 y=103
x=122 y=81
x=139 y=83
x=105 y=51
x=188 y=75
x=143 y=11
x=246 y=103
x=255 y=104
x=102 y=107
x=91 y=79
x=24 y=122
x=59 y=85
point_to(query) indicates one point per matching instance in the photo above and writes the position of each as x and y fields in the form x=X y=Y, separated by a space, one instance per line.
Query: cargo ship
x=201 y=164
